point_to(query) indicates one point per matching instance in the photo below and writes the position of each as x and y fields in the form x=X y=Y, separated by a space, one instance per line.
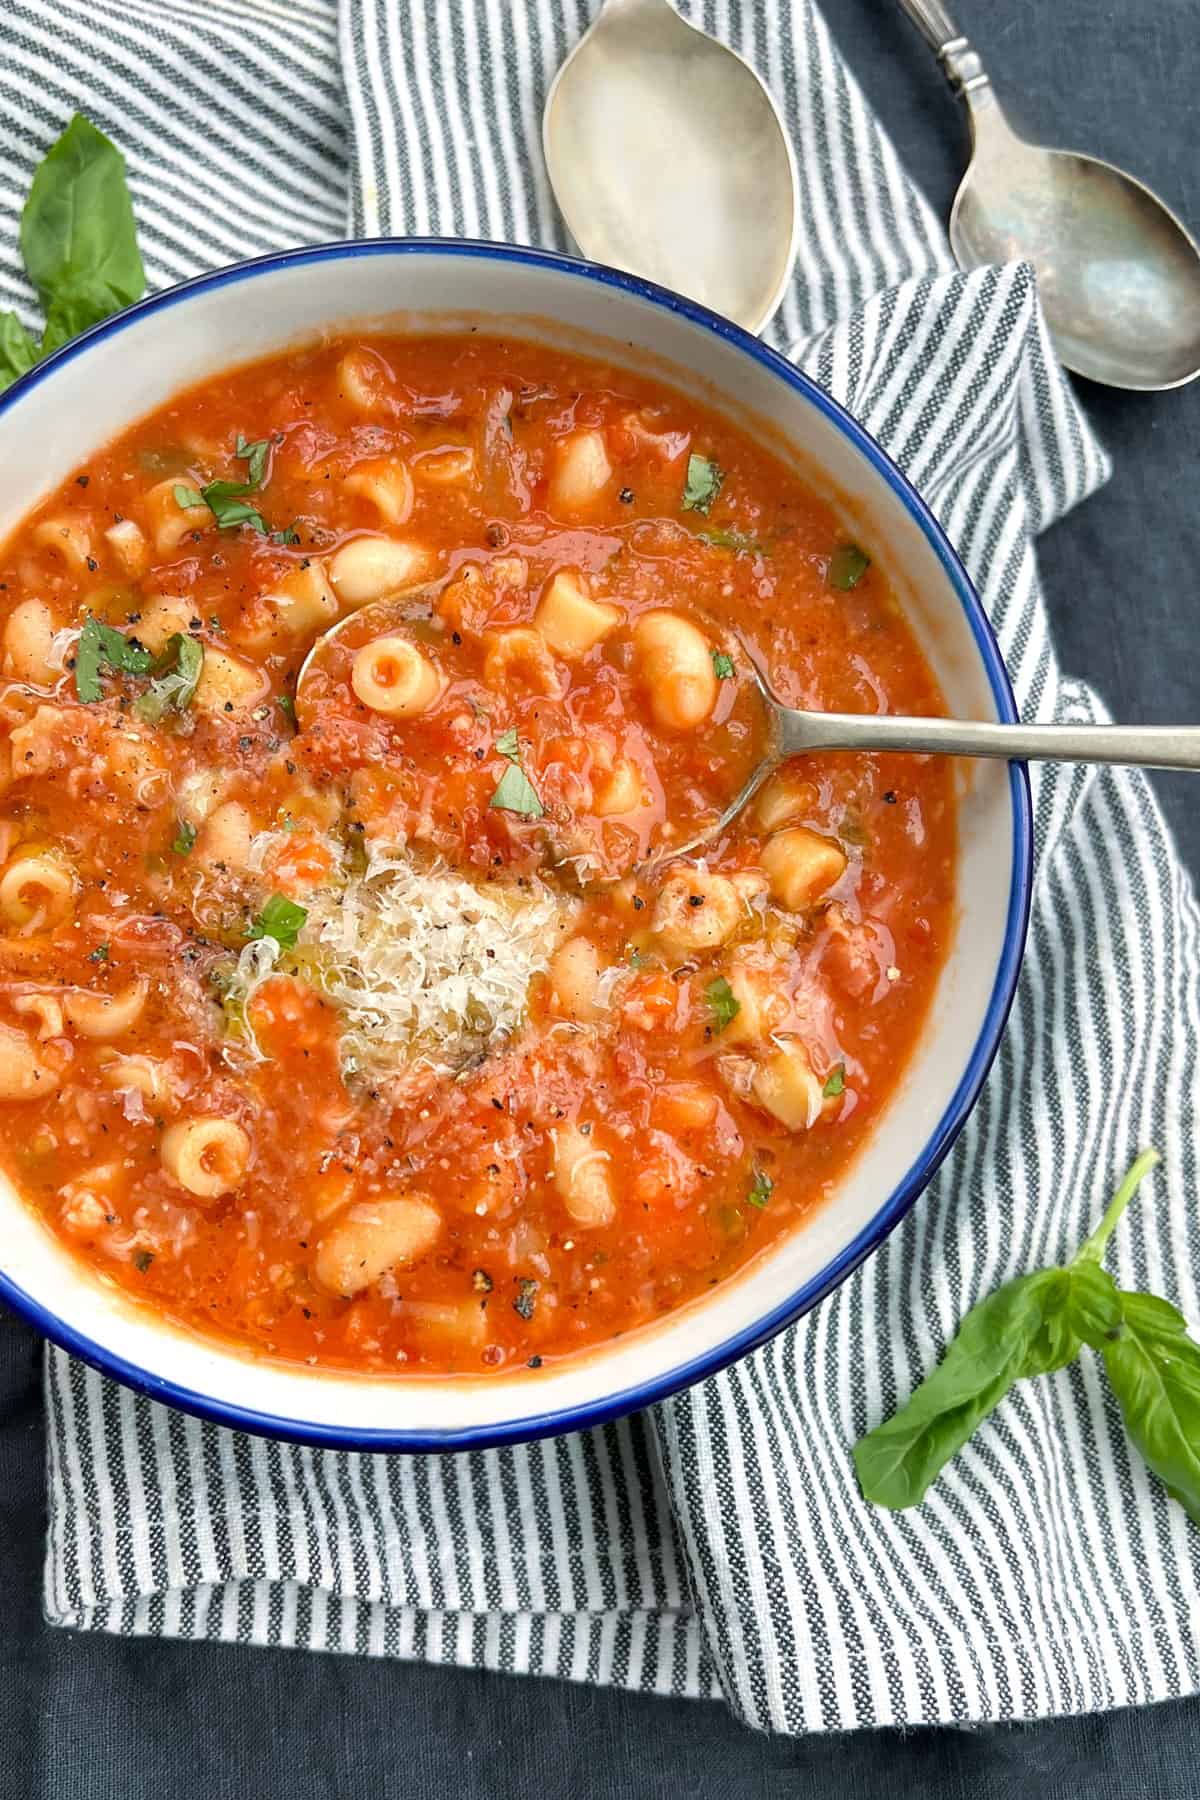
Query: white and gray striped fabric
x=718 y=1545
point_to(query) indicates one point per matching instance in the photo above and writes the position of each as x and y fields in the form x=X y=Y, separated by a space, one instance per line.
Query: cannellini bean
x=374 y=1236
x=575 y=978
x=800 y=864
x=370 y=568
x=304 y=599
x=391 y=676
x=208 y=1157
x=23 y=1075
x=583 y=1177
x=28 y=638
x=697 y=910
x=581 y=471
x=107 y=1015
x=787 y=1087
x=571 y=622
x=675 y=668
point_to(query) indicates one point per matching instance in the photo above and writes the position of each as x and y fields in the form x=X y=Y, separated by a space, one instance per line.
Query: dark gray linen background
x=93 y=1717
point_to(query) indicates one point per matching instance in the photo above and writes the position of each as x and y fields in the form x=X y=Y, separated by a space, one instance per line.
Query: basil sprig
x=78 y=243
x=226 y=500
x=1032 y=1326
x=515 y=792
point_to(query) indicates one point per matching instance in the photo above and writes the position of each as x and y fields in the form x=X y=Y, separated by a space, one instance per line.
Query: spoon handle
x=960 y=64
x=1145 y=746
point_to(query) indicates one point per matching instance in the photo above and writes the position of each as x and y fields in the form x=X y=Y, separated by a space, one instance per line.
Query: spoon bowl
x=1118 y=274
x=669 y=159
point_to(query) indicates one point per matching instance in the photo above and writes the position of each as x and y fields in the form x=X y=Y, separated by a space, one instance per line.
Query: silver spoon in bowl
x=1119 y=276
x=794 y=732
x=668 y=158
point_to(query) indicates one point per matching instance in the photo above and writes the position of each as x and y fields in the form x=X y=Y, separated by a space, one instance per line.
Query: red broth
x=347 y=1022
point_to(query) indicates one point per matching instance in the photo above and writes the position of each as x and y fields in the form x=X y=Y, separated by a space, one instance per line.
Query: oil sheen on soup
x=365 y=1018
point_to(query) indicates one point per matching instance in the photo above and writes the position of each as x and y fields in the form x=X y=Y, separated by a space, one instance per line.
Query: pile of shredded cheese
x=425 y=967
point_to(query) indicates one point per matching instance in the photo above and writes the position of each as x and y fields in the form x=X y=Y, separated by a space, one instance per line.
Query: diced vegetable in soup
x=345 y=1017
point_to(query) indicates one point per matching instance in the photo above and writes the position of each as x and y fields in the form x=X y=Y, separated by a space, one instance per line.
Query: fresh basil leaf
x=515 y=793
x=722 y=665
x=760 y=1190
x=703 y=484
x=184 y=838
x=280 y=919
x=186 y=496
x=1093 y=1304
x=78 y=236
x=509 y=745
x=18 y=352
x=835 y=1082
x=1154 y=1368
x=847 y=566
x=175 y=674
x=227 y=506
x=897 y=1461
x=101 y=645
x=723 y=1002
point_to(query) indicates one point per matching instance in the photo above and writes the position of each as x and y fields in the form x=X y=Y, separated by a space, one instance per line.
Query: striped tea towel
x=718 y=1545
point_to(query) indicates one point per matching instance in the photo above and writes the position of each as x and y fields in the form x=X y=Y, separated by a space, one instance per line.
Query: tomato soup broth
x=346 y=1016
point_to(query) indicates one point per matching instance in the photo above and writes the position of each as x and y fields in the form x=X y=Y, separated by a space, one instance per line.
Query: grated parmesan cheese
x=425 y=967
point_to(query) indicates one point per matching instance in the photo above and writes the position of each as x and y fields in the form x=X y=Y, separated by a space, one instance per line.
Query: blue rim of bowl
x=921 y=1172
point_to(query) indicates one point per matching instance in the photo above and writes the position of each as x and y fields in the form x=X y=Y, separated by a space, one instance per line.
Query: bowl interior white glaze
x=97 y=387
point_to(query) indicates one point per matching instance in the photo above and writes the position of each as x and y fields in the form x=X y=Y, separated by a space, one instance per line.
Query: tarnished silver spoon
x=1118 y=275
x=668 y=158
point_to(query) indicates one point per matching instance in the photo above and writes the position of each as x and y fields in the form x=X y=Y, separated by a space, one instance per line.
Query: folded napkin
x=718 y=1544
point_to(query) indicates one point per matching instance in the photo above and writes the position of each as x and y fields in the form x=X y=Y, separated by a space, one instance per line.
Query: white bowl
x=72 y=404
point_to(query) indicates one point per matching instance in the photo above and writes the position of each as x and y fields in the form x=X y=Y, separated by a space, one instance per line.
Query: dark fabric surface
x=86 y=1718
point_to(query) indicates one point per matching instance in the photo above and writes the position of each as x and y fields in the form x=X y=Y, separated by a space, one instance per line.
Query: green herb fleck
x=100 y=646
x=722 y=665
x=526 y=1300
x=99 y=954
x=635 y=957
x=515 y=792
x=184 y=838
x=760 y=1190
x=280 y=919
x=175 y=675
x=186 y=496
x=739 y=542
x=703 y=484
x=287 y=706
x=835 y=1082
x=847 y=566
x=724 y=1003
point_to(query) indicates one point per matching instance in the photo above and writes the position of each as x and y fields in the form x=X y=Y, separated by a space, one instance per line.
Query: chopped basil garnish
x=847 y=566
x=175 y=675
x=226 y=500
x=737 y=541
x=724 y=1003
x=99 y=954
x=760 y=1190
x=835 y=1082
x=184 y=838
x=515 y=792
x=102 y=645
x=287 y=706
x=703 y=484
x=280 y=919
x=186 y=496
x=723 y=665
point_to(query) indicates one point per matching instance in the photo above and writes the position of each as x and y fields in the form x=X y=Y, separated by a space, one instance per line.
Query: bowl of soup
x=373 y=621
